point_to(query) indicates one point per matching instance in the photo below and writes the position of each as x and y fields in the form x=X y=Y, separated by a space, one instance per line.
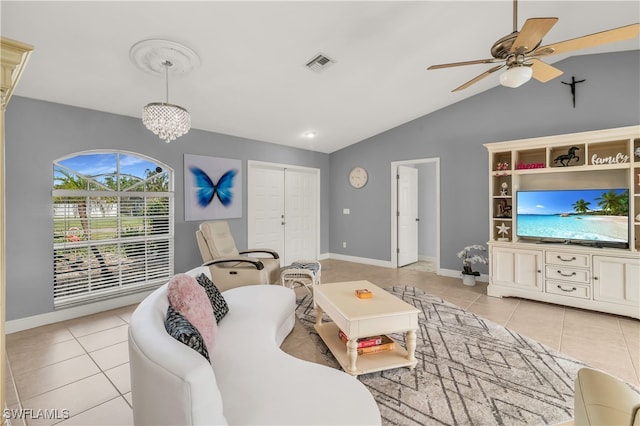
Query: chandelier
x=166 y=120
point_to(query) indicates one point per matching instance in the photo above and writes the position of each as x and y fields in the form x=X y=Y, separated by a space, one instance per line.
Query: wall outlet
x=344 y=244
x=346 y=211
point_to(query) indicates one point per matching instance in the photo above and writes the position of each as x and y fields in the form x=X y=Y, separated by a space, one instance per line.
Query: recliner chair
x=602 y=399
x=231 y=267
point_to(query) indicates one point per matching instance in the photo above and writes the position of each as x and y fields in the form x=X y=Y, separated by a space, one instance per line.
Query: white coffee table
x=381 y=314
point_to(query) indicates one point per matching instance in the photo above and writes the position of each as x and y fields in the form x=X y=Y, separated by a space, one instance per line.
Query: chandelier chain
x=167 y=64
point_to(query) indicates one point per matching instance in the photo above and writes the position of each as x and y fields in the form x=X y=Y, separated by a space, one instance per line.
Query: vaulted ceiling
x=252 y=81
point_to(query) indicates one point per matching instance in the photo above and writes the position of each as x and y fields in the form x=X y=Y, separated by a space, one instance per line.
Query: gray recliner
x=231 y=267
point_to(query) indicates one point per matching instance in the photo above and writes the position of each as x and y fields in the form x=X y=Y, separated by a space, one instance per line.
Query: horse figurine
x=570 y=155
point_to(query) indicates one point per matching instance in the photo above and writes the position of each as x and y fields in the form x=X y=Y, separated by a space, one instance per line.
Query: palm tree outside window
x=112 y=225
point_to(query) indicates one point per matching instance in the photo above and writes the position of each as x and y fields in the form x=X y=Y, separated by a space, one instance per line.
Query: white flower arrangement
x=470 y=256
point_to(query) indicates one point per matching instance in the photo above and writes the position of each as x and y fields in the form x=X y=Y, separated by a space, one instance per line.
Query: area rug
x=470 y=371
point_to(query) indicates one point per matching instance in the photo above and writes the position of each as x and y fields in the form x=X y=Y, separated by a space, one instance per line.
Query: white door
x=407 y=179
x=265 y=224
x=300 y=216
x=283 y=211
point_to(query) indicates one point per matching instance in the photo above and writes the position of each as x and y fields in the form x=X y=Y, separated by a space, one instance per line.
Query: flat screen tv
x=595 y=217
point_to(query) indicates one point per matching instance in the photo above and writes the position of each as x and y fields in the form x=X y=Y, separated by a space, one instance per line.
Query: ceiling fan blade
x=610 y=36
x=544 y=72
x=532 y=33
x=457 y=64
x=478 y=78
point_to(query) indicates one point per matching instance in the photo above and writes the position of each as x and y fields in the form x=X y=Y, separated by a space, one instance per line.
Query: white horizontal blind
x=110 y=242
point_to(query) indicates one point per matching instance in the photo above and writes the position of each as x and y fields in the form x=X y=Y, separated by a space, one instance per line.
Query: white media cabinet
x=600 y=279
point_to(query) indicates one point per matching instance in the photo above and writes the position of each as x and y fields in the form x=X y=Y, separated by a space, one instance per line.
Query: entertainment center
x=565 y=220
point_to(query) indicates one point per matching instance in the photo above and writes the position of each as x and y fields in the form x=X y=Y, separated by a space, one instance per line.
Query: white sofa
x=250 y=379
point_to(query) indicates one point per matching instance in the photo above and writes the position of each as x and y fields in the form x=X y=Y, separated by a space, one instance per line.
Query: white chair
x=230 y=265
x=601 y=399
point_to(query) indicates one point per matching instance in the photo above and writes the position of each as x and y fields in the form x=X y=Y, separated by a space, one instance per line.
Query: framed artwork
x=212 y=188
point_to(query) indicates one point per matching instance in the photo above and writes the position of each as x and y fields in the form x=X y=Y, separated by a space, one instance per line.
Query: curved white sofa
x=250 y=379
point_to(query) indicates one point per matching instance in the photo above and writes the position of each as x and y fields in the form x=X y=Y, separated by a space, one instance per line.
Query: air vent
x=319 y=63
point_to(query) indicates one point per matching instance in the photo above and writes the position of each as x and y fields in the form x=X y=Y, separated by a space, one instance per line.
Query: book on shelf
x=363 y=342
x=372 y=344
x=387 y=345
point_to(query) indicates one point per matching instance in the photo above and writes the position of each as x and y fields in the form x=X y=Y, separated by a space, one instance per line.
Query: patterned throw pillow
x=220 y=307
x=191 y=300
x=184 y=332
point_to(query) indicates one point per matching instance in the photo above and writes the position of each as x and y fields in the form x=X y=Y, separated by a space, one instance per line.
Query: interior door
x=300 y=215
x=266 y=194
x=407 y=180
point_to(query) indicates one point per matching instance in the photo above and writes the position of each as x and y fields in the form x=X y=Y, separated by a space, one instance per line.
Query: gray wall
x=609 y=98
x=37 y=133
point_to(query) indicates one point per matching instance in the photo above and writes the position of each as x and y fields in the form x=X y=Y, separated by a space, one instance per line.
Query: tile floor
x=81 y=365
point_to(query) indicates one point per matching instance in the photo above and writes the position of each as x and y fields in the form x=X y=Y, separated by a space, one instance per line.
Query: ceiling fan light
x=516 y=76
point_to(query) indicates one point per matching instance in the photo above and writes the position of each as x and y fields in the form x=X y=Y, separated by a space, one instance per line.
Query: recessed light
x=310 y=134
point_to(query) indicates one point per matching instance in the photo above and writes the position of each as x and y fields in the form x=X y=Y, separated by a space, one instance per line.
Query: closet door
x=266 y=197
x=283 y=210
x=300 y=215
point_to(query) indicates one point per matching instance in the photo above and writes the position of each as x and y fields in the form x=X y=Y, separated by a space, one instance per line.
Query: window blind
x=110 y=242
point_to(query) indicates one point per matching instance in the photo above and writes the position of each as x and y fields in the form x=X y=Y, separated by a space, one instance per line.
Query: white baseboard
x=365 y=260
x=453 y=273
x=26 y=323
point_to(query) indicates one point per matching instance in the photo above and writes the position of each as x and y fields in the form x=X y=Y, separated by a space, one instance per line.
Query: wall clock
x=358 y=177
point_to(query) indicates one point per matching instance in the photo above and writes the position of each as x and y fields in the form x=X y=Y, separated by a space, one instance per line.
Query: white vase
x=469 y=280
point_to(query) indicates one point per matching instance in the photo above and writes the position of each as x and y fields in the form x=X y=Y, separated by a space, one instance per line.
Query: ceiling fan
x=520 y=51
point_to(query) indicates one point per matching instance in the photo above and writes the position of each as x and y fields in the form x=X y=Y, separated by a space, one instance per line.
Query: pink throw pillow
x=191 y=300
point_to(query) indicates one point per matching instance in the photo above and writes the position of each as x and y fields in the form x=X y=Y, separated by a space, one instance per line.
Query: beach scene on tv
x=597 y=215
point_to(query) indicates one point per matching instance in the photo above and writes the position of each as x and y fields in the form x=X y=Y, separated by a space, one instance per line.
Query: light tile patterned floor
x=82 y=365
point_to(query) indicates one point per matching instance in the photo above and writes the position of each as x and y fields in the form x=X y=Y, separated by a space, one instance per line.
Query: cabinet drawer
x=567 y=259
x=567 y=274
x=568 y=289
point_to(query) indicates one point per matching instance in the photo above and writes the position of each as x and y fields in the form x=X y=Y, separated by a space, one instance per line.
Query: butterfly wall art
x=213 y=187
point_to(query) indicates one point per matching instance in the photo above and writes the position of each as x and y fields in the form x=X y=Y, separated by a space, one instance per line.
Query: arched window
x=113 y=225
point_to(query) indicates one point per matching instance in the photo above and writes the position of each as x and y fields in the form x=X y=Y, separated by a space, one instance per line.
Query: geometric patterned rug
x=470 y=371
